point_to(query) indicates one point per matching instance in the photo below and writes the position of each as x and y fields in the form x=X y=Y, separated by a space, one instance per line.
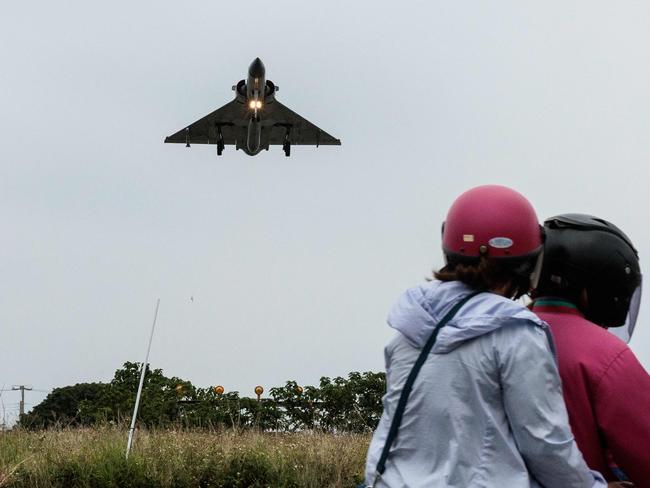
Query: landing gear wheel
x=220 y=146
x=287 y=148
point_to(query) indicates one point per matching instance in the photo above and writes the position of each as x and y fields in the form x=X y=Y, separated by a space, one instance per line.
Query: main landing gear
x=220 y=143
x=286 y=145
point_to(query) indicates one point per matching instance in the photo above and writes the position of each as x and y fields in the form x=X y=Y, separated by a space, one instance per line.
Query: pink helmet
x=494 y=221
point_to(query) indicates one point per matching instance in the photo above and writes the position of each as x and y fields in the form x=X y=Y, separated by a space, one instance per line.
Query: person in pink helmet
x=591 y=281
x=473 y=396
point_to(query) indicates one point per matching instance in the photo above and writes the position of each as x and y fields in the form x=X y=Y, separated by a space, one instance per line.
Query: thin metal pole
x=143 y=369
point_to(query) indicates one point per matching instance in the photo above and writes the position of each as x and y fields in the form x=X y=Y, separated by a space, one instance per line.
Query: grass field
x=94 y=458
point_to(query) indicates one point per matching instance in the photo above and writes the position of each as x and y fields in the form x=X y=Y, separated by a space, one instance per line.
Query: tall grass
x=94 y=458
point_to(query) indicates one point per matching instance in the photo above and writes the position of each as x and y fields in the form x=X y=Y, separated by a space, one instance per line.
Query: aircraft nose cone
x=256 y=69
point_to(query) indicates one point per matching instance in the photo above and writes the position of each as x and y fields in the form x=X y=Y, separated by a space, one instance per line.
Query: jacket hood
x=419 y=310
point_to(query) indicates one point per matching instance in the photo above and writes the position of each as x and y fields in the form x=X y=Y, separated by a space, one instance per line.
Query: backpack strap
x=408 y=386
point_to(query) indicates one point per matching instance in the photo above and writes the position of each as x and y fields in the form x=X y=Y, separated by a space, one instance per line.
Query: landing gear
x=286 y=145
x=220 y=143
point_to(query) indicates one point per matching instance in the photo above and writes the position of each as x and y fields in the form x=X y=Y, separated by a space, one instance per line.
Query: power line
x=32 y=389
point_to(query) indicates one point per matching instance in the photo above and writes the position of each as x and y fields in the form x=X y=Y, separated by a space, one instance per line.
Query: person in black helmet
x=591 y=281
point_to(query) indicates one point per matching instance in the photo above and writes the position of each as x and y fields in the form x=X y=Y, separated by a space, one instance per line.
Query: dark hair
x=487 y=273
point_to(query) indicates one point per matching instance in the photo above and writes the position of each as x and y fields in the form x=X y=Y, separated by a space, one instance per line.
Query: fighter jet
x=253 y=121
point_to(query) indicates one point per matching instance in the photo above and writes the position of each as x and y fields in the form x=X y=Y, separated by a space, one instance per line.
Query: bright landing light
x=255 y=104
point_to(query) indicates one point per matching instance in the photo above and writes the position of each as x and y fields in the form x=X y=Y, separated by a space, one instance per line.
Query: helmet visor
x=537 y=271
x=625 y=331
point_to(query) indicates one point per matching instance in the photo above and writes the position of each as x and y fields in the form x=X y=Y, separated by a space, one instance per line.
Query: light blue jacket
x=486 y=409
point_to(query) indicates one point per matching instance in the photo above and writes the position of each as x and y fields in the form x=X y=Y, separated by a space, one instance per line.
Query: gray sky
x=292 y=263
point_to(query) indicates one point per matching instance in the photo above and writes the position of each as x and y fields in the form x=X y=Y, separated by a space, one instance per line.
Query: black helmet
x=585 y=252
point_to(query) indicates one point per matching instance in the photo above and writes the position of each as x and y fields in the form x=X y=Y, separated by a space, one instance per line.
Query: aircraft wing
x=206 y=130
x=301 y=131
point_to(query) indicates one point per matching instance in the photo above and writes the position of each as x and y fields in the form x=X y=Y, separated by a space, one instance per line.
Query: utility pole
x=22 y=389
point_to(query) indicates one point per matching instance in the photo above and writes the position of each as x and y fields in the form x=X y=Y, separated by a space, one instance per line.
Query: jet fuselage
x=255 y=91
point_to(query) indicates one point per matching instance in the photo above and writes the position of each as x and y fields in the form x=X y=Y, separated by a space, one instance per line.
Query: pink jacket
x=606 y=390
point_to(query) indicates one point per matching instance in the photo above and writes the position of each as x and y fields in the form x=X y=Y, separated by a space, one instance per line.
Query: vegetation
x=351 y=404
x=94 y=458
x=311 y=436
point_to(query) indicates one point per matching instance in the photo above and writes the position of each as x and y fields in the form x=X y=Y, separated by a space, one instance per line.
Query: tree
x=69 y=405
x=352 y=404
x=339 y=404
x=297 y=406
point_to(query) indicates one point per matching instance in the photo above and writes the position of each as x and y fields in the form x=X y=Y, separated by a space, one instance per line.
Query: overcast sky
x=292 y=263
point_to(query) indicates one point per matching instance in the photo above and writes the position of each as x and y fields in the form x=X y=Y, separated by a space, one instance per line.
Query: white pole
x=142 y=371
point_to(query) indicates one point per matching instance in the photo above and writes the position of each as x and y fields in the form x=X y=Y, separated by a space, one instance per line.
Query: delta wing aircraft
x=253 y=121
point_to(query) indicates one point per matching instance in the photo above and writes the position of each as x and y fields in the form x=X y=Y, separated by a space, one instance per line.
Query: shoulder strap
x=408 y=386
